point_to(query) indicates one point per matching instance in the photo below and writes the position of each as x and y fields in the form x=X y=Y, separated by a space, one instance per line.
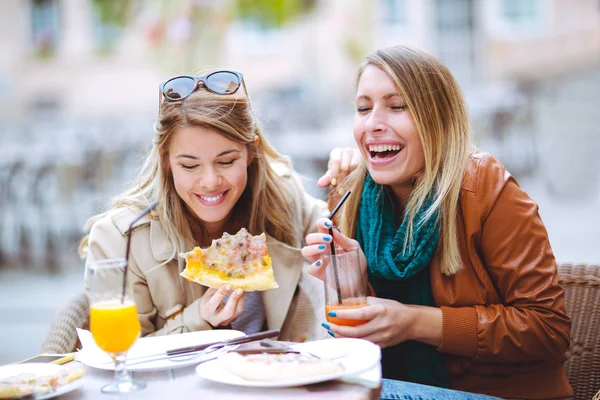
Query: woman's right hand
x=318 y=244
x=217 y=313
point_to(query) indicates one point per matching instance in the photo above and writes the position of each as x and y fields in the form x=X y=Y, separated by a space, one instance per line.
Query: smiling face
x=210 y=173
x=385 y=132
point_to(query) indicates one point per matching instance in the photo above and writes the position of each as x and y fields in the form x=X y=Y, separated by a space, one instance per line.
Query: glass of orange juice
x=114 y=321
x=344 y=286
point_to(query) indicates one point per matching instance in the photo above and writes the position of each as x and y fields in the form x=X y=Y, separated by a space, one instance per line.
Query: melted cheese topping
x=240 y=259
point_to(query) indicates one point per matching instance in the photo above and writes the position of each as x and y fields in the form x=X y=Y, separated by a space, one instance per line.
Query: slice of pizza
x=278 y=367
x=241 y=260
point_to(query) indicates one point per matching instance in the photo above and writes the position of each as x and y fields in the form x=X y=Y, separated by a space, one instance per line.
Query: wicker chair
x=581 y=284
x=62 y=337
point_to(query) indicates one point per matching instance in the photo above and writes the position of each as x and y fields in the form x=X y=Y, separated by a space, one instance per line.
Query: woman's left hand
x=342 y=161
x=389 y=322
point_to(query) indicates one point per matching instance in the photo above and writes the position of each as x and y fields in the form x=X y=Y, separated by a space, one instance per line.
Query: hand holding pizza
x=215 y=311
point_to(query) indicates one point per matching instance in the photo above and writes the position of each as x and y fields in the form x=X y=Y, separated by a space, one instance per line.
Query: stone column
x=76 y=34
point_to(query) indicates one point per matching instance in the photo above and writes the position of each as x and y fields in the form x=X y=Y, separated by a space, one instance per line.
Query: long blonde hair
x=265 y=204
x=437 y=107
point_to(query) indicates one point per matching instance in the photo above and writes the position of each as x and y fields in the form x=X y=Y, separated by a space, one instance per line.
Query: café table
x=184 y=383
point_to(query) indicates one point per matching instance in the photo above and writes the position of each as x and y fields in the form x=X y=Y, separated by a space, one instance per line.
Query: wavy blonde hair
x=437 y=107
x=264 y=205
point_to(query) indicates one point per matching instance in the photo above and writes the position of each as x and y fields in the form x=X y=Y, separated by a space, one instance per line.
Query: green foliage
x=111 y=18
x=113 y=12
x=273 y=13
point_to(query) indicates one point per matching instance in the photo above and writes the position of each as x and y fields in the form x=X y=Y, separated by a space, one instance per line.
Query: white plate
x=358 y=355
x=40 y=369
x=91 y=355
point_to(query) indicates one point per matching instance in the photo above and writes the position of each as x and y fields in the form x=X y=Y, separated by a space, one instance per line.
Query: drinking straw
x=332 y=247
x=146 y=211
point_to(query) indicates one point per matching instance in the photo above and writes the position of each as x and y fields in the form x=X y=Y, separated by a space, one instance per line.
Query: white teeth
x=385 y=147
x=212 y=199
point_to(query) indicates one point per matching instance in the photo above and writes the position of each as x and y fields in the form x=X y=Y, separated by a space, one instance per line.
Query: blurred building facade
x=79 y=79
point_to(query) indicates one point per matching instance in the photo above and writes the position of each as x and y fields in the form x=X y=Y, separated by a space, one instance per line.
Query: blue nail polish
x=332 y=313
x=322 y=247
x=331 y=333
x=328 y=224
x=327 y=238
x=318 y=263
x=324 y=325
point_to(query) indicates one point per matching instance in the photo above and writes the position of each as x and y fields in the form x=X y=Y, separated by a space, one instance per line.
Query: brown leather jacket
x=505 y=327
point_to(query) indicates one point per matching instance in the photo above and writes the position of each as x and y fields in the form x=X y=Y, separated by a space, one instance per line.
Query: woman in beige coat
x=212 y=171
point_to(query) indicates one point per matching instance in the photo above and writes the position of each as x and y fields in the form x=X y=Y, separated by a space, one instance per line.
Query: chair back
x=581 y=284
x=62 y=336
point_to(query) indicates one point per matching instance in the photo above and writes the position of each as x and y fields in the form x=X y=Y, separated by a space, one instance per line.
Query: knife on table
x=231 y=342
x=198 y=348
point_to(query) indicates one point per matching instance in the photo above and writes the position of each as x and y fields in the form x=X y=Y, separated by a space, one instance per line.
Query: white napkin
x=147 y=347
x=93 y=354
x=370 y=378
x=90 y=353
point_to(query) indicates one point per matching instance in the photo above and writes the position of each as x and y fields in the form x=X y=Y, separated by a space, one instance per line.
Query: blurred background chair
x=62 y=336
x=581 y=284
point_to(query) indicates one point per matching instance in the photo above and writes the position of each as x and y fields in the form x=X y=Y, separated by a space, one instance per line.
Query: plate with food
x=43 y=380
x=241 y=260
x=149 y=353
x=303 y=364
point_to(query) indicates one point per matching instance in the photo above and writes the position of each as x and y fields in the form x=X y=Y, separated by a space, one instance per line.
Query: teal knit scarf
x=402 y=276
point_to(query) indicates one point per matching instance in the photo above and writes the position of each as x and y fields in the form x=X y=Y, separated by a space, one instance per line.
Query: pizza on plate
x=241 y=260
x=25 y=383
x=278 y=367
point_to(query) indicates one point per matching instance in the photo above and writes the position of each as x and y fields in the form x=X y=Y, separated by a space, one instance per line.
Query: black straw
x=332 y=247
x=146 y=211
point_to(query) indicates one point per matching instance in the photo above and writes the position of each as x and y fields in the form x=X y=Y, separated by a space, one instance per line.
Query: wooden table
x=184 y=383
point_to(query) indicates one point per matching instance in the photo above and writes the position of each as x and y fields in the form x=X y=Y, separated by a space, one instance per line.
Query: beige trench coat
x=168 y=303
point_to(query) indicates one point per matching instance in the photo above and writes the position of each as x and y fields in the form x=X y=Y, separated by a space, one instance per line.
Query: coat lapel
x=161 y=247
x=287 y=262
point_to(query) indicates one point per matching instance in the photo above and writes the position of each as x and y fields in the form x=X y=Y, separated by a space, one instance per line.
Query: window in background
x=44 y=26
x=109 y=19
x=517 y=19
x=393 y=13
x=258 y=38
x=391 y=24
x=520 y=13
x=455 y=37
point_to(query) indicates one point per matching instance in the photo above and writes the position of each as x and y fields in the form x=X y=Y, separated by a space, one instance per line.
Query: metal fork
x=206 y=351
x=277 y=345
x=183 y=357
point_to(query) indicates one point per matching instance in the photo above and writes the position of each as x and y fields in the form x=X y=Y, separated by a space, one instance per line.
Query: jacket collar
x=161 y=247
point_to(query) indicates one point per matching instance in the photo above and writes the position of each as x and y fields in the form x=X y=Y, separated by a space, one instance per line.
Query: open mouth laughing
x=381 y=154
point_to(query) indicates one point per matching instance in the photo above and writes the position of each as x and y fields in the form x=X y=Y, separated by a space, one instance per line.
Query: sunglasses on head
x=218 y=82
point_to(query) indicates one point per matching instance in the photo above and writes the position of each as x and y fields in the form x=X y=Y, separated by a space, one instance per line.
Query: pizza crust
x=249 y=284
x=277 y=367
